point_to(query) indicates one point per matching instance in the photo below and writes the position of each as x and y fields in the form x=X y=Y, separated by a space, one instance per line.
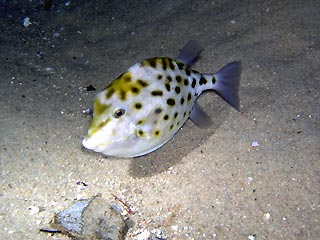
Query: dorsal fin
x=190 y=53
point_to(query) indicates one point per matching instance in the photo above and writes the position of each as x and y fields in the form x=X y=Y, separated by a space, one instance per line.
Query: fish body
x=145 y=106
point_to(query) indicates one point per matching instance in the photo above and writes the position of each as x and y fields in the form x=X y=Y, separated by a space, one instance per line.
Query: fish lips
x=116 y=148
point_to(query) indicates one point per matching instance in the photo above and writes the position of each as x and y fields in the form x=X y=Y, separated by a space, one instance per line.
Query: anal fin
x=199 y=117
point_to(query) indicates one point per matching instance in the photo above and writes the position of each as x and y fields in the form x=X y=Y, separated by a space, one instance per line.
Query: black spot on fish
x=158 y=110
x=127 y=79
x=171 y=64
x=213 y=80
x=178 y=123
x=159 y=76
x=175 y=115
x=171 y=127
x=135 y=90
x=167 y=87
x=90 y=88
x=177 y=89
x=169 y=79
x=157 y=93
x=138 y=105
x=142 y=83
x=194 y=82
x=157 y=133
x=203 y=81
x=152 y=62
x=182 y=101
x=109 y=93
x=122 y=94
x=171 y=102
x=180 y=65
x=188 y=72
x=139 y=122
x=140 y=132
x=179 y=79
x=186 y=82
x=164 y=64
x=166 y=117
x=189 y=96
x=184 y=114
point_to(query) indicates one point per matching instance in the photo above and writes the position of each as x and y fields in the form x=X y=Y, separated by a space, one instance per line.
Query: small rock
x=251 y=237
x=26 y=22
x=143 y=235
x=90 y=88
x=175 y=228
x=250 y=179
x=91 y=219
x=33 y=210
x=267 y=216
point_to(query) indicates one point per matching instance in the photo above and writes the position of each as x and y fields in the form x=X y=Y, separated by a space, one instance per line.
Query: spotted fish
x=145 y=106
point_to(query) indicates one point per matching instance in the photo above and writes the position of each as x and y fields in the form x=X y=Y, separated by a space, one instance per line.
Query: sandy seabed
x=204 y=184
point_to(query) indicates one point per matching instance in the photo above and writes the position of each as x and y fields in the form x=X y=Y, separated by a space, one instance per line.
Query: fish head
x=113 y=129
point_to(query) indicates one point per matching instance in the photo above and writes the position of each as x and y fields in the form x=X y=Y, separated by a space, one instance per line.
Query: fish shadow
x=189 y=138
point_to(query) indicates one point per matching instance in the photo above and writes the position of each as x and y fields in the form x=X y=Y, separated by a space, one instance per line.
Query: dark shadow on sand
x=191 y=137
x=185 y=141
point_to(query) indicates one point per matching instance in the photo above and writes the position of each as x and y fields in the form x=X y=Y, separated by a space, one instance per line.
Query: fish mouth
x=86 y=143
x=108 y=147
x=105 y=142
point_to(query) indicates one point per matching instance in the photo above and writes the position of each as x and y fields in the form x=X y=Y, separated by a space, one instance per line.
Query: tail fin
x=227 y=84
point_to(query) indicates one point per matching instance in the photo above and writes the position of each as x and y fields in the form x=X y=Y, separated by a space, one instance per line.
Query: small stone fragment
x=251 y=237
x=90 y=88
x=91 y=219
x=143 y=235
x=33 y=210
x=267 y=216
x=26 y=22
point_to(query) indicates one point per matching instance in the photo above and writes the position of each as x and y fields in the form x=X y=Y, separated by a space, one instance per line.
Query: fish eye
x=119 y=113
